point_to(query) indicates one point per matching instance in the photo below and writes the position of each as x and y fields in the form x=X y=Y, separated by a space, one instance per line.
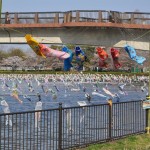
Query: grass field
x=134 y=142
x=71 y=72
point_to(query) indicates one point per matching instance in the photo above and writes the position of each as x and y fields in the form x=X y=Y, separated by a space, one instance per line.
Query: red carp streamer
x=115 y=56
x=102 y=57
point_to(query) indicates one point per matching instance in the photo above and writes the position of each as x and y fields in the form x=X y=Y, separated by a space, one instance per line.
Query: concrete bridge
x=83 y=27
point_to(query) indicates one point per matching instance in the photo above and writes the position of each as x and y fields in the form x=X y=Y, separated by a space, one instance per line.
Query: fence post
x=110 y=118
x=60 y=128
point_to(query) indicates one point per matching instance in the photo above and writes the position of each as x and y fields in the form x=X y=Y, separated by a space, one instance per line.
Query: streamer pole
x=148 y=98
x=149 y=70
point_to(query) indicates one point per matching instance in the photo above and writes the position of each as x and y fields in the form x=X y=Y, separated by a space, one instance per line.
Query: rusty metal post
x=149 y=71
x=60 y=128
x=110 y=118
x=147 y=121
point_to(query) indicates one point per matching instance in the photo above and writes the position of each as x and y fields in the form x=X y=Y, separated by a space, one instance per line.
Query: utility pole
x=149 y=71
x=0 y=11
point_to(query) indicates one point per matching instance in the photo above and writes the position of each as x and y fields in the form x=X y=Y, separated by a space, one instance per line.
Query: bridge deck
x=76 y=24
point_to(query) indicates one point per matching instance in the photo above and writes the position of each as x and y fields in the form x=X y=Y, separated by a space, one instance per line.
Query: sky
x=66 y=5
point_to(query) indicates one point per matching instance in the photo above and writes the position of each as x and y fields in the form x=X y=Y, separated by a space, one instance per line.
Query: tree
x=17 y=52
x=2 y=55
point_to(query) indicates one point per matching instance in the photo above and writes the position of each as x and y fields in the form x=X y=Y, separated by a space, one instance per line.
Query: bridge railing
x=77 y=16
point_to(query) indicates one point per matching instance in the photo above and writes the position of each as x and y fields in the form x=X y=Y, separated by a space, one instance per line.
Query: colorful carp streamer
x=15 y=93
x=33 y=44
x=115 y=56
x=102 y=57
x=132 y=54
x=80 y=57
x=43 y=50
x=68 y=61
x=6 y=110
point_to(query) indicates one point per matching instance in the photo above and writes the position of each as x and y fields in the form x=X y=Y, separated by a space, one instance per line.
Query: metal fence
x=67 y=128
x=76 y=16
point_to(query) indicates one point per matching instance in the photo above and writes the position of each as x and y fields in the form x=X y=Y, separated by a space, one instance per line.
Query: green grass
x=63 y=72
x=134 y=142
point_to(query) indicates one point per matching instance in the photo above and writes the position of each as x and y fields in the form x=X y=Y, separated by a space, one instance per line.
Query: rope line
x=3 y=27
x=122 y=30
